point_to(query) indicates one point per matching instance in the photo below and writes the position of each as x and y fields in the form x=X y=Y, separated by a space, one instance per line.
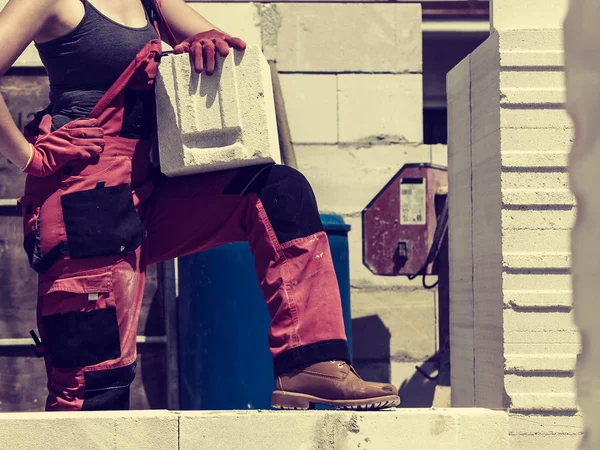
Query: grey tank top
x=84 y=63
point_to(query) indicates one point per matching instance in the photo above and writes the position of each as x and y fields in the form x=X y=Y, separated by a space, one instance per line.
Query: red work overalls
x=93 y=227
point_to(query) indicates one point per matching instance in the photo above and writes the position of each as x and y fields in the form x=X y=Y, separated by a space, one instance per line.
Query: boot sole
x=290 y=400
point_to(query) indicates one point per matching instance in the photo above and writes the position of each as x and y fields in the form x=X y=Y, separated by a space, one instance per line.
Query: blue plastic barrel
x=224 y=360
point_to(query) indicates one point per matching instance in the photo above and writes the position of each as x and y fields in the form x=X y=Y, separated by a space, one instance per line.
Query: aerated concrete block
x=380 y=108
x=211 y=123
x=441 y=429
x=236 y=19
x=532 y=14
x=582 y=39
x=311 y=104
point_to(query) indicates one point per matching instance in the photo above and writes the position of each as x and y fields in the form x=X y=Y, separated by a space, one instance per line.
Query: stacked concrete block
x=513 y=339
x=582 y=48
x=211 y=123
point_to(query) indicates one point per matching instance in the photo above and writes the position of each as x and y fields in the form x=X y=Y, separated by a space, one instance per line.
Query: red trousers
x=92 y=228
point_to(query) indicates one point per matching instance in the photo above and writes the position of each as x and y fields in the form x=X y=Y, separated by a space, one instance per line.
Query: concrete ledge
x=445 y=429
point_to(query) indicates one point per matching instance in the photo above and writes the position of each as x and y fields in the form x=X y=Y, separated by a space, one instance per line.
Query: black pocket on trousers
x=79 y=339
x=138 y=115
x=101 y=222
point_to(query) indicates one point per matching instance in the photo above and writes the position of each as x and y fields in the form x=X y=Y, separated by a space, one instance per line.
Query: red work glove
x=202 y=47
x=80 y=139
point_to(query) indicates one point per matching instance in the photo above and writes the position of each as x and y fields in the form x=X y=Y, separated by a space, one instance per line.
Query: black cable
x=440 y=231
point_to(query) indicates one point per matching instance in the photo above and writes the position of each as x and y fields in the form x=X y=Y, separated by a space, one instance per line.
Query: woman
x=96 y=213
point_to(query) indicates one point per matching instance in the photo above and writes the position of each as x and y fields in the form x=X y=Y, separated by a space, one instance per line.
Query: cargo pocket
x=80 y=322
x=101 y=222
x=31 y=212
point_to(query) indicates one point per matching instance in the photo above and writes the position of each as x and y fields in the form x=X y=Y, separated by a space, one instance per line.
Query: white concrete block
x=545 y=442
x=583 y=103
x=540 y=59
x=360 y=276
x=210 y=123
x=537 y=348
x=460 y=232
x=521 y=241
x=527 y=383
x=512 y=96
x=533 y=260
x=560 y=402
x=532 y=140
x=539 y=425
x=439 y=155
x=391 y=45
x=237 y=19
x=346 y=179
x=311 y=104
x=534 y=14
x=538 y=180
x=538 y=299
x=535 y=118
x=519 y=363
x=526 y=219
x=537 y=40
x=537 y=281
x=380 y=108
x=520 y=83
x=473 y=424
x=546 y=197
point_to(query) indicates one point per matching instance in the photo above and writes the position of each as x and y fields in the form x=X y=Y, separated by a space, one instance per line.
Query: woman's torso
x=85 y=62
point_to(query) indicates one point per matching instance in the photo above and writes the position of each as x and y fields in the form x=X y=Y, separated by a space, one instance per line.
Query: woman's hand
x=80 y=139
x=203 y=46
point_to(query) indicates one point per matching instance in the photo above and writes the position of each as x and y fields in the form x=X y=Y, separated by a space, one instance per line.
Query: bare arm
x=20 y=22
x=183 y=20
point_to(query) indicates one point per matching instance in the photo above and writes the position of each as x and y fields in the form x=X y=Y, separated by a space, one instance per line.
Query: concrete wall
x=513 y=338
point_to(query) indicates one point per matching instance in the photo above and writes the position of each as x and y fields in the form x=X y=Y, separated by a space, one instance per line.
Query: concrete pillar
x=582 y=62
x=513 y=339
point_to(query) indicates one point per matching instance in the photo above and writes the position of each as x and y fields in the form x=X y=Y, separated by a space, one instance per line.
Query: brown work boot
x=333 y=383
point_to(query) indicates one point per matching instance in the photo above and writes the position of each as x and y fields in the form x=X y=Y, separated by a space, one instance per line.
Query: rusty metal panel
x=399 y=223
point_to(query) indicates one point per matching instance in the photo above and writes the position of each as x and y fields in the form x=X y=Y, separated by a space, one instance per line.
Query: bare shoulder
x=20 y=22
